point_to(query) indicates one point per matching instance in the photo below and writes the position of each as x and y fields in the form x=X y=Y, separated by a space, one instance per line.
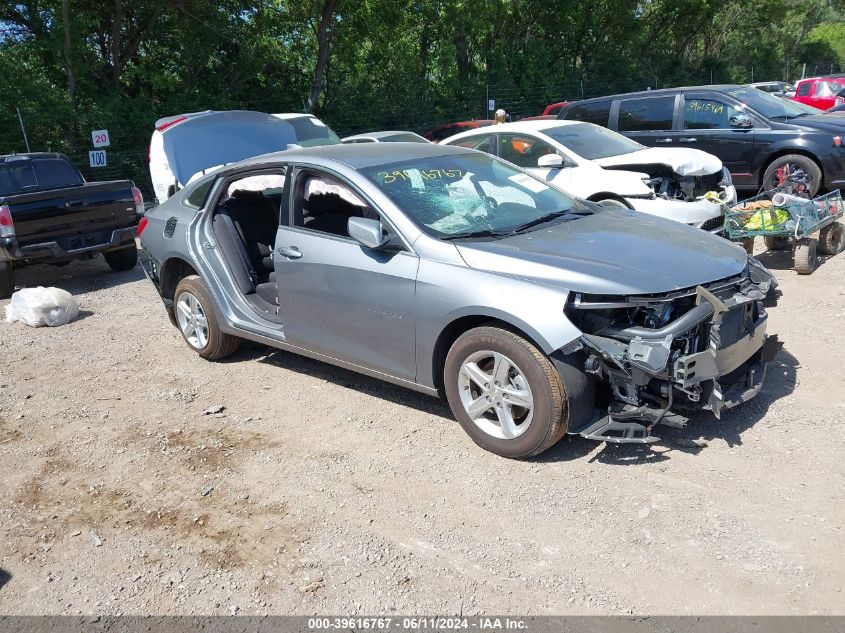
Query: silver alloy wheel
x=192 y=320
x=496 y=395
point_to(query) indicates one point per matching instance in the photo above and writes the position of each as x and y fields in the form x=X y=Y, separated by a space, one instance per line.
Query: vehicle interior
x=248 y=215
x=245 y=222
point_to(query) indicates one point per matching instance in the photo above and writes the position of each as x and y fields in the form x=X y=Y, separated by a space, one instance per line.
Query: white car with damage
x=597 y=164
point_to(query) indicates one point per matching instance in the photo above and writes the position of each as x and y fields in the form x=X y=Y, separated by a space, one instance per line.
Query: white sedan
x=594 y=163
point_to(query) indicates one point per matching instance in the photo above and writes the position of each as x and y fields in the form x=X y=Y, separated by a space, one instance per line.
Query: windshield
x=311 y=132
x=592 y=141
x=464 y=195
x=403 y=137
x=768 y=105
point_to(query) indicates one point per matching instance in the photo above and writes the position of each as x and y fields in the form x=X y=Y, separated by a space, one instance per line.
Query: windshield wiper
x=790 y=116
x=548 y=218
x=482 y=233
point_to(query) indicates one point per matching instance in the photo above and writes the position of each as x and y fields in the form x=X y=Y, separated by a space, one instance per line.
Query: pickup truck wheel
x=197 y=322
x=7 y=280
x=506 y=394
x=124 y=259
x=791 y=162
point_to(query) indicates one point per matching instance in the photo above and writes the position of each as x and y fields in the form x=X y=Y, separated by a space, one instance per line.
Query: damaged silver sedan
x=455 y=273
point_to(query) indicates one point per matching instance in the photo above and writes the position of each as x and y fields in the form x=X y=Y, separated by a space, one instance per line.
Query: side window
x=197 y=196
x=523 y=150
x=653 y=113
x=482 y=142
x=594 y=112
x=803 y=89
x=826 y=89
x=707 y=114
x=325 y=204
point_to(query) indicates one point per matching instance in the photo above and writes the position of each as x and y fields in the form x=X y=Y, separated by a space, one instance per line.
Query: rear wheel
x=832 y=239
x=124 y=259
x=776 y=242
x=506 y=394
x=806 y=259
x=197 y=322
x=748 y=245
x=7 y=280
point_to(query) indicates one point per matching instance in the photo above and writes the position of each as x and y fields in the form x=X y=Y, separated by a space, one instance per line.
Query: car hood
x=611 y=252
x=823 y=121
x=684 y=161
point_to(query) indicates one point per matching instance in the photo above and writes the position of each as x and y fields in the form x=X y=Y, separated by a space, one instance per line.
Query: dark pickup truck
x=49 y=214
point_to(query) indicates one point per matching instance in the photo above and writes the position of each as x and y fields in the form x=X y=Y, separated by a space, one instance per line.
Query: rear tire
x=806 y=164
x=122 y=260
x=514 y=371
x=832 y=239
x=748 y=245
x=7 y=280
x=806 y=259
x=776 y=242
x=197 y=321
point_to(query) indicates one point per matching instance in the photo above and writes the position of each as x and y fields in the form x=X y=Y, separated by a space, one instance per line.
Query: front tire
x=197 y=322
x=7 y=280
x=805 y=260
x=793 y=161
x=505 y=393
x=122 y=260
x=613 y=203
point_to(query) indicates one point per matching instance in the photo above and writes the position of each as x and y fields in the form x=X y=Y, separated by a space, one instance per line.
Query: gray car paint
x=524 y=280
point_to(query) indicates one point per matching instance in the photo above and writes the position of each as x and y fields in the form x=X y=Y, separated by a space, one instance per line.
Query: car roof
x=663 y=92
x=165 y=122
x=535 y=125
x=361 y=155
x=380 y=134
x=9 y=158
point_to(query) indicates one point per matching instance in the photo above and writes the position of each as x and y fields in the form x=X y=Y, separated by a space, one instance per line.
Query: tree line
x=71 y=66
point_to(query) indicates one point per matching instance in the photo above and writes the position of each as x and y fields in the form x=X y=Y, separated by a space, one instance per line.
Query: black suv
x=754 y=133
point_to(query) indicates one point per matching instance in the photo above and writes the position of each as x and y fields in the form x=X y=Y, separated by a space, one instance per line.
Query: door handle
x=663 y=140
x=74 y=203
x=688 y=139
x=291 y=252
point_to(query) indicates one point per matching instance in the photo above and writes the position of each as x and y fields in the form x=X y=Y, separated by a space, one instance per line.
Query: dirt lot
x=320 y=491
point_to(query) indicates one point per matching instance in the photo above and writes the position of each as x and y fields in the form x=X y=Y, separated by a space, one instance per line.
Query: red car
x=450 y=129
x=820 y=92
x=553 y=109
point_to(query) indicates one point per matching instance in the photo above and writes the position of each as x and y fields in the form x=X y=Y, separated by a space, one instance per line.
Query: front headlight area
x=655 y=358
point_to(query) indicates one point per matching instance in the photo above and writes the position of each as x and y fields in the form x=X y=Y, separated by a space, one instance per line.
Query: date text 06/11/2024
x=417 y=623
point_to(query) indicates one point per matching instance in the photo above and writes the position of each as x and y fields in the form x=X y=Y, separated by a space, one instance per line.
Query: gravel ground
x=316 y=490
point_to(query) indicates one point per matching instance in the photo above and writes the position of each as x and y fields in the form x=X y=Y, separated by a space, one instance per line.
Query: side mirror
x=741 y=121
x=550 y=161
x=366 y=232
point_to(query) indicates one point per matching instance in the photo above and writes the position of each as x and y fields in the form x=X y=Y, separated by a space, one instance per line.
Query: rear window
x=403 y=137
x=21 y=176
x=310 y=132
x=594 y=112
x=653 y=113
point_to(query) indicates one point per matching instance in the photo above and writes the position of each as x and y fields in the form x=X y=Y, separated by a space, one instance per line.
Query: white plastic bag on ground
x=42 y=306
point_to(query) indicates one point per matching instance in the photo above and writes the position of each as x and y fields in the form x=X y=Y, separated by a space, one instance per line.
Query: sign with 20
x=100 y=138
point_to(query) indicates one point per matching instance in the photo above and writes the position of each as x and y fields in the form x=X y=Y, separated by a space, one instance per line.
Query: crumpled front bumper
x=652 y=383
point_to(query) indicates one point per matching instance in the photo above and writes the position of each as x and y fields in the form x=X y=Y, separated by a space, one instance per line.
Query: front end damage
x=657 y=359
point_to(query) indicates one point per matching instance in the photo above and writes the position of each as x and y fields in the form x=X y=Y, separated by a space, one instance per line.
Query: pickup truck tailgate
x=72 y=214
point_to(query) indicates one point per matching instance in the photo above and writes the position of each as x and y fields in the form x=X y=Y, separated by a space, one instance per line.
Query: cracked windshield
x=452 y=197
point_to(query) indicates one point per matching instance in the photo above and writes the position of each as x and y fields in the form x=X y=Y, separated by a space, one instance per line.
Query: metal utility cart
x=784 y=219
